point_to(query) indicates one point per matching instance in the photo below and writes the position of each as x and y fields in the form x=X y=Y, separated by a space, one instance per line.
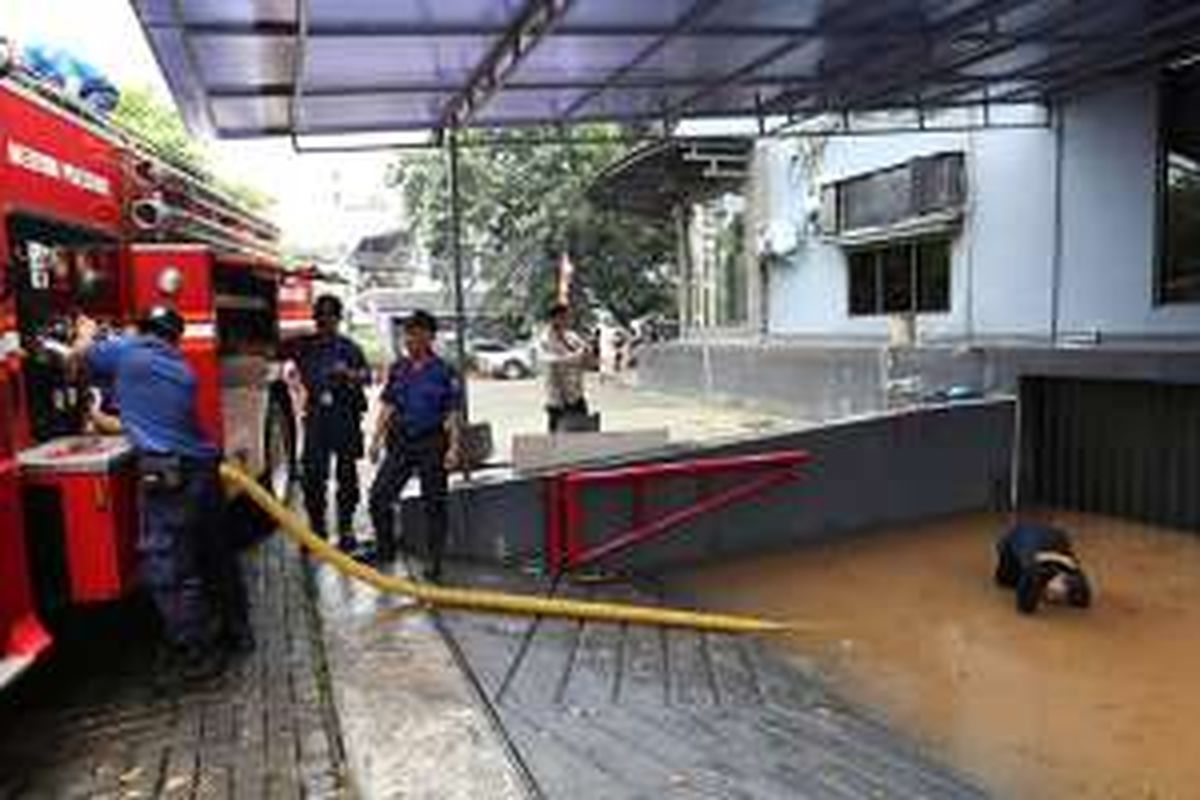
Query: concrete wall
x=1110 y=217
x=881 y=470
x=806 y=383
x=1008 y=240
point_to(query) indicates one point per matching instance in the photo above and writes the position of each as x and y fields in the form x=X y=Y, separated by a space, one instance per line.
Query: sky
x=312 y=190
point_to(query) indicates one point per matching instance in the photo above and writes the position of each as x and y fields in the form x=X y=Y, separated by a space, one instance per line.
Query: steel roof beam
x=886 y=64
x=299 y=56
x=285 y=89
x=1041 y=70
x=530 y=26
x=1141 y=47
x=687 y=20
x=354 y=29
x=208 y=120
x=971 y=16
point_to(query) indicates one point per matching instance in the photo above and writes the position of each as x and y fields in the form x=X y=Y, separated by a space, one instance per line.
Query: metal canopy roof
x=653 y=179
x=311 y=67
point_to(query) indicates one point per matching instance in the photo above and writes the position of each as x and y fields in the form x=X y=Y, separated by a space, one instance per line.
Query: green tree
x=523 y=205
x=249 y=196
x=159 y=126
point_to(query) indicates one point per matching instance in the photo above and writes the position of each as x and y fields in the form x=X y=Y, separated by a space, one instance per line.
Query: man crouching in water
x=1037 y=560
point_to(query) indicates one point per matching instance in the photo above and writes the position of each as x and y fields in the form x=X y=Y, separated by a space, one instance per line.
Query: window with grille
x=1179 y=245
x=894 y=196
x=900 y=278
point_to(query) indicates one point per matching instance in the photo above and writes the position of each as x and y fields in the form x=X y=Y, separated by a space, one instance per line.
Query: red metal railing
x=566 y=548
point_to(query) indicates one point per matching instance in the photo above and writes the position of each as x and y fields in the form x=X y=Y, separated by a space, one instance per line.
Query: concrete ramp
x=608 y=711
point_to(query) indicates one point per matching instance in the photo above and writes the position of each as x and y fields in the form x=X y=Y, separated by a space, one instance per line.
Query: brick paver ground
x=93 y=722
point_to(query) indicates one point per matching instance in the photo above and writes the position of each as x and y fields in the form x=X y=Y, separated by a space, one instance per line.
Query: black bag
x=580 y=422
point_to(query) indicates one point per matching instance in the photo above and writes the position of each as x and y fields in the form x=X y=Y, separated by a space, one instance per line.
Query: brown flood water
x=1102 y=703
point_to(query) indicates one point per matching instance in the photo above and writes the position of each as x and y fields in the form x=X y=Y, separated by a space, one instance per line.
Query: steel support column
x=460 y=305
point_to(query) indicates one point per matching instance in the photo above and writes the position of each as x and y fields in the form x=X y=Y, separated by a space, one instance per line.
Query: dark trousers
x=325 y=440
x=425 y=456
x=556 y=414
x=188 y=562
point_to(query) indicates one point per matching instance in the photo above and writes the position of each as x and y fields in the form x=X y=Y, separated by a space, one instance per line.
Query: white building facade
x=1056 y=238
x=886 y=267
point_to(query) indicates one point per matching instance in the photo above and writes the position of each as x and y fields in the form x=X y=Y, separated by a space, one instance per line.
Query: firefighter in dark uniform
x=418 y=430
x=186 y=560
x=334 y=371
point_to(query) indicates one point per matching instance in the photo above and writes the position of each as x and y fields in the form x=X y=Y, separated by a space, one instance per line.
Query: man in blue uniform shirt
x=334 y=371
x=418 y=430
x=186 y=561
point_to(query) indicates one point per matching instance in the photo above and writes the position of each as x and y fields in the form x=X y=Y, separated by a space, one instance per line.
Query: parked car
x=500 y=360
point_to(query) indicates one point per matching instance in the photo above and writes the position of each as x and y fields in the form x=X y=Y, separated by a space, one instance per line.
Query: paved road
x=91 y=722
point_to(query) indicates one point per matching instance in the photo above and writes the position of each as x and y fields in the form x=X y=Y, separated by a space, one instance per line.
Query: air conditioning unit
x=784 y=203
x=779 y=238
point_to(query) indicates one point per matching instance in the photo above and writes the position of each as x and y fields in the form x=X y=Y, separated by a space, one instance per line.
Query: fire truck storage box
x=79 y=494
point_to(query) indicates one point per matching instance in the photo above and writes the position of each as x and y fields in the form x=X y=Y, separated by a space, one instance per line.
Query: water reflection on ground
x=1096 y=704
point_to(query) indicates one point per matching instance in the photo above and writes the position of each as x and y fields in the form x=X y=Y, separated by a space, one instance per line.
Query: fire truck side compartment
x=95 y=223
x=21 y=632
x=82 y=491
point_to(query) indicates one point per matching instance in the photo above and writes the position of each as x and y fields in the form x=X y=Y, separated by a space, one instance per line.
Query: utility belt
x=335 y=399
x=168 y=472
x=431 y=436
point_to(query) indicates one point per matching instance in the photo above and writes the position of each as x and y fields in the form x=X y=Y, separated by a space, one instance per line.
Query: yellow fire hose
x=482 y=600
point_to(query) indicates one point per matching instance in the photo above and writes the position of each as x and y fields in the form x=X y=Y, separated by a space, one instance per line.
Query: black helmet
x=163 y=322
x=327 y=305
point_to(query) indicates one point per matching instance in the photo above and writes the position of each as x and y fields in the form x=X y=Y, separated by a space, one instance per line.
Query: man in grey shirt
x=564 y=355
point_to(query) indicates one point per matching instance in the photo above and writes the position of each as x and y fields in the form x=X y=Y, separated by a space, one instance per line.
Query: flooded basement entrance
x=1100 y=703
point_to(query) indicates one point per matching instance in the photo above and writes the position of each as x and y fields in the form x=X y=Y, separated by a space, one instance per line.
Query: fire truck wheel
x=279 y=446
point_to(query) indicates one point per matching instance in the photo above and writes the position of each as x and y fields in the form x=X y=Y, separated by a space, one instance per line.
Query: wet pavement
x=514 y=407
x=1097 y=703
x=593 y=710
x=96 y=721
x=413 y=725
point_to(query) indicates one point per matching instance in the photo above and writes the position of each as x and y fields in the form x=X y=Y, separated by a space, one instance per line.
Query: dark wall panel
x=1127 y=448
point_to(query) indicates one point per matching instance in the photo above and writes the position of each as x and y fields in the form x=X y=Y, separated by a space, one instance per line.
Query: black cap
x=327 y=305
x=421 y=319
x=163 y=322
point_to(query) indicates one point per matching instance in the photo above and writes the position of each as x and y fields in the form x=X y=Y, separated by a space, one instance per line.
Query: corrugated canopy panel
x=308 y=67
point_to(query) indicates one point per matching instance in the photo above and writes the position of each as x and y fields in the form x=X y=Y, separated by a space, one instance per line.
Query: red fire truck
x=93 y=222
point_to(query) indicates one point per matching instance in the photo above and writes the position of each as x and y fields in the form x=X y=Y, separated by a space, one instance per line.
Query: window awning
x=313 y=67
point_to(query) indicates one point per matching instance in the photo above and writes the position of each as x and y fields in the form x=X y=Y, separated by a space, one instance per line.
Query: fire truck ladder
x=171 y=203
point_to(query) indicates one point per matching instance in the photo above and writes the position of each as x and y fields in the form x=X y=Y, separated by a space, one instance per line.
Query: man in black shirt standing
x=334 y=372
